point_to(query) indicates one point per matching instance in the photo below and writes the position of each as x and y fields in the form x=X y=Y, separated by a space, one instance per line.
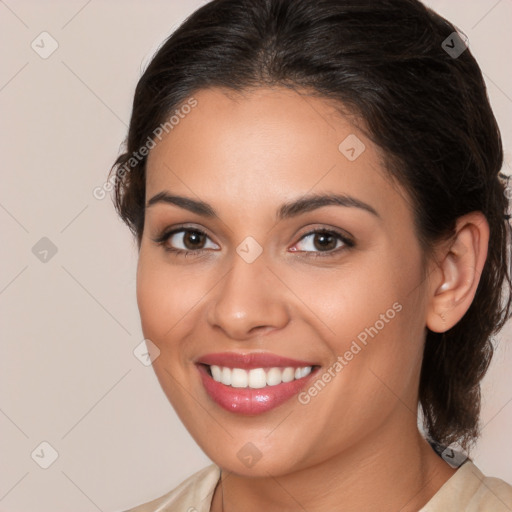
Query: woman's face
x=349 y=301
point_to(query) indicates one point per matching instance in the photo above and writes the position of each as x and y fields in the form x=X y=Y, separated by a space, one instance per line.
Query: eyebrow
x=287 y=210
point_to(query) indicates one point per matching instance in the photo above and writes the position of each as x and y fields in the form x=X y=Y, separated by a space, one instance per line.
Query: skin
x=354 y=446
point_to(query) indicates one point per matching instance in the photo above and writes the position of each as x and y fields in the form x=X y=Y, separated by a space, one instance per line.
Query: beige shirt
x=467 y=490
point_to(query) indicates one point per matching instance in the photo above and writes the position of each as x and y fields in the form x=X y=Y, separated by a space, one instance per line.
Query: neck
x=388 y=472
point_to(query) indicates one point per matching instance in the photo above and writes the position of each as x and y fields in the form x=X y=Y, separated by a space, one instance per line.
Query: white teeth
x=274 y=376
x=305 y=371
x=226 y=376
x=239 y=378
x=216 y=373
x=288 y=374
x=257 y=377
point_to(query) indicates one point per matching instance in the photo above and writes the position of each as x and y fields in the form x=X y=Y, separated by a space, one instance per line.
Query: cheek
x=373 y=313
x=353 y=296
x=166 y=295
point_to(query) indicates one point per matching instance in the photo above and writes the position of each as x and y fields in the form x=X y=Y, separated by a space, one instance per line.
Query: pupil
x=192 y=234
x=323 y=237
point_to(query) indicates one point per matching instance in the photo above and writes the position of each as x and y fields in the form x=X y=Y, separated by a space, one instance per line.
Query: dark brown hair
x=394 y=64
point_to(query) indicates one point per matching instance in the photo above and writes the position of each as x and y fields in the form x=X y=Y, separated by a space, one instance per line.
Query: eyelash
x=165 y=235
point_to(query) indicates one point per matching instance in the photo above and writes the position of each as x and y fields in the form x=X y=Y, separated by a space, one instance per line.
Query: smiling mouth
x=257 y=378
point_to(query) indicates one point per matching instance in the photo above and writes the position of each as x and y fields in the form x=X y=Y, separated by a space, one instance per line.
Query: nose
x=249 y=301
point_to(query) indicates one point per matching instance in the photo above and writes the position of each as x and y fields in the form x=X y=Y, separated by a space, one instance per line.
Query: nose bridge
x=248 y=296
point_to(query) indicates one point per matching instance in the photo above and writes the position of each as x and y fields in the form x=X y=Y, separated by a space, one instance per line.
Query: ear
x=455 y=278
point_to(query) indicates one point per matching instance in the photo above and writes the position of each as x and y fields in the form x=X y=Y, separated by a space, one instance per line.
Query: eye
x=184 y=241
x=325 y=241
x=188 y=241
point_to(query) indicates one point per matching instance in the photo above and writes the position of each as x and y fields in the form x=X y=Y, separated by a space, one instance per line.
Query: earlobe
x=459 y=266
x=444 y=300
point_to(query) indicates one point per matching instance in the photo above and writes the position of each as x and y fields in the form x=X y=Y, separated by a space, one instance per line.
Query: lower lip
x=251 y=401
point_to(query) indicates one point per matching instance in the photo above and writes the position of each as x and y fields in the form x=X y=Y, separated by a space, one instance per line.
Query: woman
x=322 y=229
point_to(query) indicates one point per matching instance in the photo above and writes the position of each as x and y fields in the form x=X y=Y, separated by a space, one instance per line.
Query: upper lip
x=251 y=360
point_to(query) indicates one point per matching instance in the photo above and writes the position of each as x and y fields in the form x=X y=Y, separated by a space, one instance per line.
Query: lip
x=251 y=360
x=249 y=401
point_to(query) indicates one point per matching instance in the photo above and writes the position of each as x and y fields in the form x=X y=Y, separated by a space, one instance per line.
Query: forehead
x=265 y=146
